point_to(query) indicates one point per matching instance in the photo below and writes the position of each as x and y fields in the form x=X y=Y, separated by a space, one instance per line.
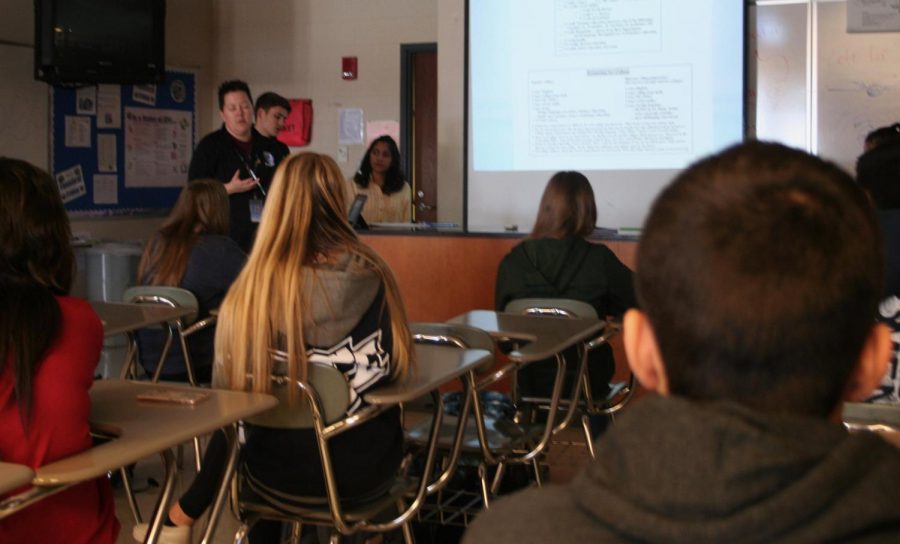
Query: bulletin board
x=123 y=149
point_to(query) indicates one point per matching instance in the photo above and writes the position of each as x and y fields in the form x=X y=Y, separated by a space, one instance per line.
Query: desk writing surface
x=545 y=335
x=437 y=366
x=868 y=413
x=145 y=428
x=119 y=318
x=13 y=475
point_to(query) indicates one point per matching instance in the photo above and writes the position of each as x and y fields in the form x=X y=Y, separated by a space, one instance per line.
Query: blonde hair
x=303 y=223
x=202 y=207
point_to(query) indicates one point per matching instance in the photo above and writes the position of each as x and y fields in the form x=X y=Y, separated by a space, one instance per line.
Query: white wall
x=451 y=93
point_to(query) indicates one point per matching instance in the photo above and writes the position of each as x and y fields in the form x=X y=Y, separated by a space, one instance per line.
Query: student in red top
x=49 y=346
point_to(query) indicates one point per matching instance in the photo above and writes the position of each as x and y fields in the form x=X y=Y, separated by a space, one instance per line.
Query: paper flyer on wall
x=157 y=147
x=71 y=183
x=78 y=131
x=106 y=190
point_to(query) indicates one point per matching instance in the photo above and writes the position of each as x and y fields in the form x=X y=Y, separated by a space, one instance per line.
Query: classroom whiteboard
x=858 y=86
x=815 y=86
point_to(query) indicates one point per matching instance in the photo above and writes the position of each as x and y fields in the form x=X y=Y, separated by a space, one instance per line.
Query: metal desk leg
x=222 y=493
x=162 y=503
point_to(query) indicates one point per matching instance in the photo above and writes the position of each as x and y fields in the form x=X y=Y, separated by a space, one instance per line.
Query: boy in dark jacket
x=758 y=278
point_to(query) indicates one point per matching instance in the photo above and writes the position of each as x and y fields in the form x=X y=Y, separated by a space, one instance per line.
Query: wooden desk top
x=437 y=366
x=545 y=335
x=145 y=428
x=13 y=475
x=119 y=318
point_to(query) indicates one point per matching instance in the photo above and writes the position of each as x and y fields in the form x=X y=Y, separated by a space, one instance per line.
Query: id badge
x=256 y=207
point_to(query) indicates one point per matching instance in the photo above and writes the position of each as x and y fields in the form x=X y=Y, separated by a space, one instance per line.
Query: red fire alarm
x=349 y=67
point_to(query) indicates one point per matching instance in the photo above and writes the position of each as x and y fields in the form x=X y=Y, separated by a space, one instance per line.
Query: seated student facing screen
x=556 y=261
x=191 y=250
x=49 y=347
x=878 y=172
x=758 y=278
x=312 y=289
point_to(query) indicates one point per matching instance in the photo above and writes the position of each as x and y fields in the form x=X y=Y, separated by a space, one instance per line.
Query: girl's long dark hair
x=36 y=263
x=393 y=178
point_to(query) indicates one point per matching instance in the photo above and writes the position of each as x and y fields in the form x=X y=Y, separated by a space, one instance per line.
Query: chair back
x=163 y=294
x=325 y=385
x=562 y=307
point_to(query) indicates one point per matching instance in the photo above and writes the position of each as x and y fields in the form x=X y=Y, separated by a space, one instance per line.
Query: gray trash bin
x=110 y=268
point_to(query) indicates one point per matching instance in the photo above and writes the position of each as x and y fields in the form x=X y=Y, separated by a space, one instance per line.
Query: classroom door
x=420 y=127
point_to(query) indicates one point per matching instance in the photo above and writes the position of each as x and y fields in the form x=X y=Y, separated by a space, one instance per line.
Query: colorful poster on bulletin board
x=123 y=149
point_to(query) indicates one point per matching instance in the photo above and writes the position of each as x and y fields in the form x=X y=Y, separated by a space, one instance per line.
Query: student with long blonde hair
x=311 y=289
x=191 y=250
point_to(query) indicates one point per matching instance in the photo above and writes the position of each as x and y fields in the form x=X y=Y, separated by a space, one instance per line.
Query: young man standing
x=241 y=158
x=758 y=278
x=271 y=111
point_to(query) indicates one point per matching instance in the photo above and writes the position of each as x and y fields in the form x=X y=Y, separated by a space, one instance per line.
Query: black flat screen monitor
x=355 y=215
x=99 y=41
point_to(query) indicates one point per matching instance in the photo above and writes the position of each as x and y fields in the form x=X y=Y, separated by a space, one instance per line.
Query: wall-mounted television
x=99 y=41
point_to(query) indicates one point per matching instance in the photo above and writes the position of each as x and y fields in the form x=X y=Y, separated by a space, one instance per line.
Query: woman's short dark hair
x=760 y=269
x=36 y=263
x=393 y=178
x=567 y=207
x=231 y=86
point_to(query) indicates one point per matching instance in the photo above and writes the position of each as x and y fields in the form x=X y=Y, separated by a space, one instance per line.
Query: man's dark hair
x=878 y=172
x=269 y=100
x=231 y=86
x=760 y=269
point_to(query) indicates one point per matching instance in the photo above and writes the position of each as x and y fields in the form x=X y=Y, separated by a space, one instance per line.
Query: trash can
x=110 y=268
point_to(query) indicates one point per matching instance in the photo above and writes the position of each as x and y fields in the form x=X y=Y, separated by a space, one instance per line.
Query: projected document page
x=603 y=84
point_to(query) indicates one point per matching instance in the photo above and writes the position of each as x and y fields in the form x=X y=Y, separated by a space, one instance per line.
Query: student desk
x=143 y=428
x=122 y=318
x=872 y=416
x=125 y=318
x=13 y=475
x=437 y=365
x=537 y=338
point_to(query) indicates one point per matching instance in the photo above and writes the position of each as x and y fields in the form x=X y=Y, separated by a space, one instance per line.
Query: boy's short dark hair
x=269 y=100
x=878 y=172
x=231 y=86
x=760 y=269
x=882 y=135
